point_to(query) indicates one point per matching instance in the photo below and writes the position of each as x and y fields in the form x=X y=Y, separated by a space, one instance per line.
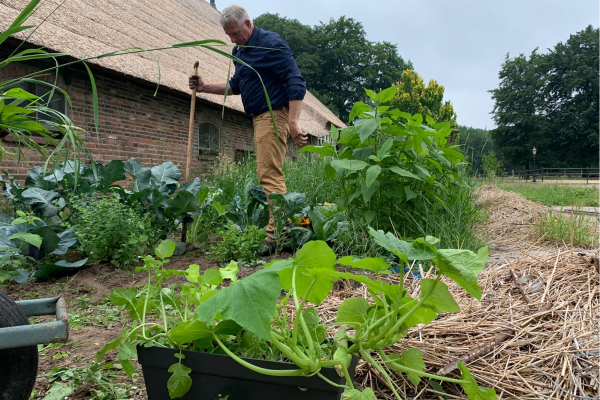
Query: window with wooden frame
x=209 y=137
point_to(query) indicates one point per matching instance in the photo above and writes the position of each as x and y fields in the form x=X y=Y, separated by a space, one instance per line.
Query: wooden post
x=188 y=161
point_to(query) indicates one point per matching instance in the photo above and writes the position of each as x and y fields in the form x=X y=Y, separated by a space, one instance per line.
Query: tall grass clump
x=575 y=229
x=451 y=216
x=305 y=174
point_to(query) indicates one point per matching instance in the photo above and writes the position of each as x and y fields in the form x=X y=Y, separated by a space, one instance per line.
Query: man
x=286 y=89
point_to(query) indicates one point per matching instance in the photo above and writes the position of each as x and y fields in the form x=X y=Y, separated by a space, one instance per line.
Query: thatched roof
x=86 y=28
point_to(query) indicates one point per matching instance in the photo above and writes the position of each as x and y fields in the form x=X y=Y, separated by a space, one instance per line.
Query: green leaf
x=362 y=153
x=109 y=346
x=386 y=95
x=251 y=302
x=229 y=272
x=368 y=191
x=59 y=391
x=375 y=264
x=184 y=203
x=404 y=173
x=327 y=150
x=140 y=174
x=165 y=249
x=315 y=254
x=37 y=179
x=372 y=174
x=422 y=315
x=366 y=127
x=189 y=331
x=68 y=239
x=357 y=110
x=318 y=332
x=353 y=311
x=166 y=173
x=111 y=173
x=61 y=266
x=372 y=95
x=409 y=193
x=127 y=299
x=385 y=148
x=32 y=239
x=180 y=382
x=352 y=165
x=227 y=327
x=355 y=394
x=42 y=200
x=440 y=300
x=463 y=266
x=472 y=390
x=411 y=358
x=50 y=239
x=193 y=187
x=391 y=243
x=430 y=121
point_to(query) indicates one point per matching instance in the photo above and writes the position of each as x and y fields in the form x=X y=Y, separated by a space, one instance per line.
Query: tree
x=336 y=59
x=550 y=101
x=414 y=97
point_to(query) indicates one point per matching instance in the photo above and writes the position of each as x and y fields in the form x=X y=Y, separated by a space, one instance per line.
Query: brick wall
x=134 y=123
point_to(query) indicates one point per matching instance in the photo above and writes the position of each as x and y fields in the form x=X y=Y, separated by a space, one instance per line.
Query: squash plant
x=202 y=315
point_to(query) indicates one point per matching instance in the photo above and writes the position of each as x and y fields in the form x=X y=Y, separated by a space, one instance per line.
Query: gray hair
x=234 y=13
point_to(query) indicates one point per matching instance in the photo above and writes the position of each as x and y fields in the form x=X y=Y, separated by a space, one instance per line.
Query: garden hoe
x=188 y=163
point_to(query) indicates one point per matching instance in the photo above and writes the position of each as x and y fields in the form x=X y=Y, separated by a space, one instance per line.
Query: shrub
x=241 y=245
x=109 y=230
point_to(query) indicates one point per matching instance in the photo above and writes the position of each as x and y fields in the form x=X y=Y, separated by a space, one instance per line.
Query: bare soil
x=94 y=321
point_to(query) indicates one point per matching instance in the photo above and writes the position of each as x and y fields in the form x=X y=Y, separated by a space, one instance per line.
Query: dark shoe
x=268 y=249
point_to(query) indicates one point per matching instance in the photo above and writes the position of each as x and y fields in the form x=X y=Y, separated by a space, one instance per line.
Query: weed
x=575 y=229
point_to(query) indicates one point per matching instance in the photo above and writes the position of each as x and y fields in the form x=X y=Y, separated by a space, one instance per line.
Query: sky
x=461 y=44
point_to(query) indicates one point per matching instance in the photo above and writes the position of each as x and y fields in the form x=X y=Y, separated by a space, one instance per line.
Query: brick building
x=133 y=121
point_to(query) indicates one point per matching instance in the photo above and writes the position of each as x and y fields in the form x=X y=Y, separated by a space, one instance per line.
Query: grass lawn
x=553 y=194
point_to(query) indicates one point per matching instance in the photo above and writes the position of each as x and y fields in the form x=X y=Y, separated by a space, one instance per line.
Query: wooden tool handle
x=188 y=164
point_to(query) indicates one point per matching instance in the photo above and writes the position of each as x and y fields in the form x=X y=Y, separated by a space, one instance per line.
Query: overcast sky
x=460 y=43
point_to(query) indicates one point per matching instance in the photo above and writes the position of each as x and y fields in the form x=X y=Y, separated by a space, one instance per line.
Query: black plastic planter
x=215 y=375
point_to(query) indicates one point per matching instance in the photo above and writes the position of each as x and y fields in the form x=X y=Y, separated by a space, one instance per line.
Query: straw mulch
x=533 y=335
x=510 y=217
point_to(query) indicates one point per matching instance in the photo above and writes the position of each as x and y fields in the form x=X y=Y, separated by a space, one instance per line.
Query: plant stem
x=331 y=382
x=299 y=316
x=412 y=310
x=264 y=371
x=407 y=370
x=378 y=367
x=292 y=352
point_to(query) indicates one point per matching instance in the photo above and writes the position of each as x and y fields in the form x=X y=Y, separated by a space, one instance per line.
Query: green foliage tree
x=491 y=165
x=337 y=60
x=550 y=101
x=414 y=97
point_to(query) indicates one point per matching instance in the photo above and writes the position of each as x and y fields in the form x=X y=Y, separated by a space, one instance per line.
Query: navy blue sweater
x=277 y=69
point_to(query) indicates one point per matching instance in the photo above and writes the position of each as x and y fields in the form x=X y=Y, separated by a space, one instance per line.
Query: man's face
x=239 y=34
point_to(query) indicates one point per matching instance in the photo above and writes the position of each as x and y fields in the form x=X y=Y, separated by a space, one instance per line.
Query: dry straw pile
x=535 y=333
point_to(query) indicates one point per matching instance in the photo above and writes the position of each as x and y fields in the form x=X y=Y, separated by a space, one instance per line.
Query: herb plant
x=242 y=245
x=109 y=230
x=201 y=315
